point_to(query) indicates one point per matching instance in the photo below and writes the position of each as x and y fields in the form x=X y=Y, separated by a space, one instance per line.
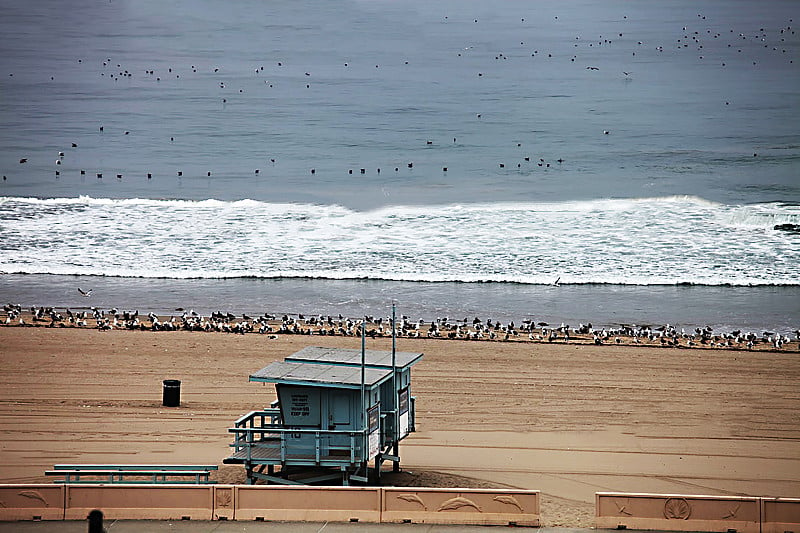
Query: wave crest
x=660 y=241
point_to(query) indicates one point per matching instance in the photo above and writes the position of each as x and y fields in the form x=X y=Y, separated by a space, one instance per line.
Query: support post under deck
x=396 y=453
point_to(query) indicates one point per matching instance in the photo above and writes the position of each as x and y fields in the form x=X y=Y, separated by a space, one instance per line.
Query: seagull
x=626 y=73
x=592 y=68
x=23 y=160
x=85 y=294
x=555 y=283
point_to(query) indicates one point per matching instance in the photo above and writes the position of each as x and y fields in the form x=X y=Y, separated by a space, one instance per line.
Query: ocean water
x=455 y=157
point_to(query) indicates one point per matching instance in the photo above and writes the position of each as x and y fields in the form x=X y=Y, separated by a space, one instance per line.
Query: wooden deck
x=260 y=439
x=272 y=455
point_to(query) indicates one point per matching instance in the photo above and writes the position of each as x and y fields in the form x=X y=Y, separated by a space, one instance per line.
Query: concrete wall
x=278 y=503
x=130 y=502
x=32 y=502
x=224 y=498
x=670 y=512
x=301 y=504
x=780 y=514
x=460 y=506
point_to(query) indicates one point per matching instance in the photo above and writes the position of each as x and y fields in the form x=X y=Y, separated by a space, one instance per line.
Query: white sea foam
x=671 y=240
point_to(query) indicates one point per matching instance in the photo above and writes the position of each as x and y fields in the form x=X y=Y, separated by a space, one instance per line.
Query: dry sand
x=564 y=419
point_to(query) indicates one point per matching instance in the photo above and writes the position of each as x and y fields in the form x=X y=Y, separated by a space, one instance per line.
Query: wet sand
x=568 y=420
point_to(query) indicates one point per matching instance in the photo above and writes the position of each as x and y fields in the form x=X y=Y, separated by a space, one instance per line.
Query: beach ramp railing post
x=133 y=473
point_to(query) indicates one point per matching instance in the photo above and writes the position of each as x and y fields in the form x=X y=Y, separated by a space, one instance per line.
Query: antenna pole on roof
x=363 y=386
x=396 y=406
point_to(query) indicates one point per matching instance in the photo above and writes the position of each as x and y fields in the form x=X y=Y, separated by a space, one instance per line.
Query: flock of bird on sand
x=476 y=329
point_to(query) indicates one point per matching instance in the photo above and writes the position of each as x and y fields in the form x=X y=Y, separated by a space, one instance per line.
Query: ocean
x=573 y=162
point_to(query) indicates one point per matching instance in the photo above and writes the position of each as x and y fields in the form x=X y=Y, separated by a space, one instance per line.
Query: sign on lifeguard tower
x=373 y=427
x=404 y=413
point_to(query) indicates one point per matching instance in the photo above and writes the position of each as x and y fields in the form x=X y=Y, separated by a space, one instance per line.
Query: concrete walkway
x=194 y=526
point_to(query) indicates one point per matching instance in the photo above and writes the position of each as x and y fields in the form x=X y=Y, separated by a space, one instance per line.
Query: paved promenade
x=194 y=526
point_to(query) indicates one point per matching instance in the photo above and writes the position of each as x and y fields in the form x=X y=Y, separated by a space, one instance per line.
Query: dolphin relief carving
x=457 y=503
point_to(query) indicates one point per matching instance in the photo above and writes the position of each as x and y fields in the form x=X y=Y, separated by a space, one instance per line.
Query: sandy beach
x=618 y=180
x=566 y=419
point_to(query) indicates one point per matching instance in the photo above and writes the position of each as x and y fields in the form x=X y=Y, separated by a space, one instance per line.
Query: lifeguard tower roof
x=315 y=375
x=346 y=357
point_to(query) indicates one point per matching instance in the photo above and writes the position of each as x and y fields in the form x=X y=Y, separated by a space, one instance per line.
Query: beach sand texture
x=568 y=420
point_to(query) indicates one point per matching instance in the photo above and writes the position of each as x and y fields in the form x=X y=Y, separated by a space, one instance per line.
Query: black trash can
x=172 y=393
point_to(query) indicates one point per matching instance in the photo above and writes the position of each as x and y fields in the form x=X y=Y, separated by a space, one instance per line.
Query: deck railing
x=250 y=419
x=253 y=431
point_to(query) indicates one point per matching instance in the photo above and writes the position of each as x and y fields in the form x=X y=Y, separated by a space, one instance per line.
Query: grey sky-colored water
x=698 y=99
x=416 y=72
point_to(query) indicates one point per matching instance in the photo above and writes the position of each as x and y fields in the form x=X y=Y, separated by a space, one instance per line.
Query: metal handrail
x=249 y=417
x=246 y=439
x=253 y=431
x=280 y=428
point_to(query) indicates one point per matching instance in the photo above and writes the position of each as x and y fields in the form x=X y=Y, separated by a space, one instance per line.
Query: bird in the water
x=85 y=294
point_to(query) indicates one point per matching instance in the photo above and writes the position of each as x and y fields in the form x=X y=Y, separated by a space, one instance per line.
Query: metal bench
x=108 y=473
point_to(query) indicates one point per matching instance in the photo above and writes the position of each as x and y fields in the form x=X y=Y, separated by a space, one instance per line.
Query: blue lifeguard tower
x=337 y=410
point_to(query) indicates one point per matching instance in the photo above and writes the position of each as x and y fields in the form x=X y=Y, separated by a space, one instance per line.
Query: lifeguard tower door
x=341 y=410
